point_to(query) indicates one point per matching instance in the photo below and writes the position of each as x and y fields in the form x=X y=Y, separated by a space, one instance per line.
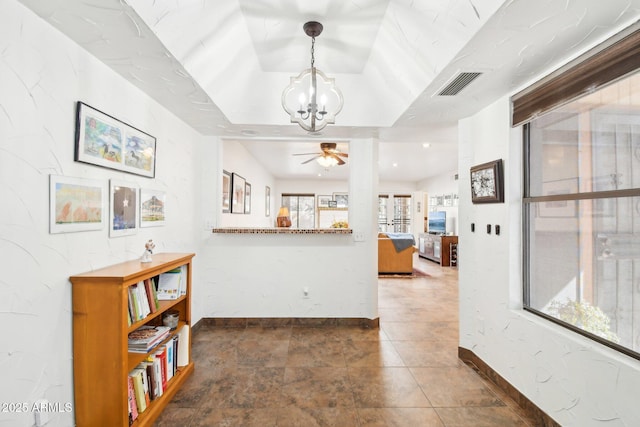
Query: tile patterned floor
x=407 y=373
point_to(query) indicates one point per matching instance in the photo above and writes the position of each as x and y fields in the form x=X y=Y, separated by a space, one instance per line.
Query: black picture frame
x=226 y=191
x=247 y=198
x=487 y=182
x=103 y=140
x=237 y=193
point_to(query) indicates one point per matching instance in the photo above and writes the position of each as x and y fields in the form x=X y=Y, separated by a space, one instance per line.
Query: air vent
x=458 y=83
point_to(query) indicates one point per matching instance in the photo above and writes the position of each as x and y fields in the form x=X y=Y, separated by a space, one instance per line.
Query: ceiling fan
x=329 y=155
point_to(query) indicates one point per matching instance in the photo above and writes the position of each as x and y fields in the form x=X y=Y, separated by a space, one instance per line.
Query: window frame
x=613 y=60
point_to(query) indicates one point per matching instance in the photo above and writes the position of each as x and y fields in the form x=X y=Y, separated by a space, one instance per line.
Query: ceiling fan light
x=327 y=161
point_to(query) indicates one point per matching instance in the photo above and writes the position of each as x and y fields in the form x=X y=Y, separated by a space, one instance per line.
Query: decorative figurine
x=148 y=251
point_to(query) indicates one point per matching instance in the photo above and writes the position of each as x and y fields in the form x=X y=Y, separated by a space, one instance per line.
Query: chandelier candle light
x=309 y=85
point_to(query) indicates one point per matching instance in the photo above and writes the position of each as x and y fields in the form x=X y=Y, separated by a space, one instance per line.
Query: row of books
x=143 y=300
x=148 y=380
x=146 y=337
x=144 y=296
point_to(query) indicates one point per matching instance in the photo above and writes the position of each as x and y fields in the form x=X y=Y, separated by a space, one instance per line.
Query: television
x=437 y=223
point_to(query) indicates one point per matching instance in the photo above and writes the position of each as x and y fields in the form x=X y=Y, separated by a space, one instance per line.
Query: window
x=302 y=209
x=582 y=209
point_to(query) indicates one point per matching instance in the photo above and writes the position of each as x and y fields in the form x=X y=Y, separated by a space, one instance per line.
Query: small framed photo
x=333 y=204
x=267 y=201
x=247 y=198
x=105 y=141
x=487 y=183
x=123 y=212
x=323 y=201
x=342 y=199
x=152 y=207
x=226 y=191
x=237 y=193
x=76 y=204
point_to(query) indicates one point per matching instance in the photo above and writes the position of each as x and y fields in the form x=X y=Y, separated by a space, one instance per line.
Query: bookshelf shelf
x=101 y=360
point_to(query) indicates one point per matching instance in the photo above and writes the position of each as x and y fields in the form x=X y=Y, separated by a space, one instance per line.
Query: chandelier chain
x=313 y=59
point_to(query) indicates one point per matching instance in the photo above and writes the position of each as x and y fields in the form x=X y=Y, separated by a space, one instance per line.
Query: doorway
x=394 y=213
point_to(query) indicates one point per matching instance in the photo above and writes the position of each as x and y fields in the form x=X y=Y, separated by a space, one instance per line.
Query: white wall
x=236 y=159
x=573 y=379
x=440 y=185
x=339 y=272
x=42 y=75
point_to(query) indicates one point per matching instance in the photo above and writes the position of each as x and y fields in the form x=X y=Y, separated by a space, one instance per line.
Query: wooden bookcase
x=101 y=361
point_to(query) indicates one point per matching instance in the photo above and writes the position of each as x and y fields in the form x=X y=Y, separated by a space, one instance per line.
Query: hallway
x=405 y=374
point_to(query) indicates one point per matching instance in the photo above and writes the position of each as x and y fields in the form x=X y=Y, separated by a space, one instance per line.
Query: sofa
x=395 y=253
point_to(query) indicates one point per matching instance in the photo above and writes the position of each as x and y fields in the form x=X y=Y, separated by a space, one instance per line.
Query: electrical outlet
x=41 y=414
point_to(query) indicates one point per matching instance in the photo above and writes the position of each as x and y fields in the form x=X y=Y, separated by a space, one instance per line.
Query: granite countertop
x=281 y=230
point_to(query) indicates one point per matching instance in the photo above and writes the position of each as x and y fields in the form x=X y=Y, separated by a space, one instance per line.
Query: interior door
x=394 y=213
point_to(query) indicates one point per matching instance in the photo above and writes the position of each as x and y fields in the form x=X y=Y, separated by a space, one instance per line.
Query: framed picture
x=323 y=201
x=267 y=201
x=247 y=198
x=333 y=204
x=487 y=183
x=123 y=212
x=237 y=193
x=76 y=204
x=226 y=192
x=152 y=203
x=342 y=200
x=105 y=141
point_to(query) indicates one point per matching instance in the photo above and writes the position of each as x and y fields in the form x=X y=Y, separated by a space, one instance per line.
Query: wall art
x=237 y=195
x=152 y=207
x=76 y=204
x=105 y=141
x=226 y=191
x=247 y=198
x=487 y=183
x=123 y=211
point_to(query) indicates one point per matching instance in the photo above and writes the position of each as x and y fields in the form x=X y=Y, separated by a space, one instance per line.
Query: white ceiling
x=221 y=65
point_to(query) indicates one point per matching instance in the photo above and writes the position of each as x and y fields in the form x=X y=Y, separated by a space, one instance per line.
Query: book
x=142 y=297
x=146 y=337
x=183 y=346
x=158 y=376
x=175 y=340
x=161 y=355
x=151 y=299
x=169 y=284
x=183 y=280
x=138 y=389
x=133 y=306
x=133 y=408
x=151 y=384
x=169 y=347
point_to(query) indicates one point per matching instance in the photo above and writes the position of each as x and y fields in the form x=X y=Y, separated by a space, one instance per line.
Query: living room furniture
x=437 y=248
x=101 y=360
x=394 y=260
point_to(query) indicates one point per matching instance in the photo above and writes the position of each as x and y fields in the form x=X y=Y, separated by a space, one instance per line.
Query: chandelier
x=300 y=98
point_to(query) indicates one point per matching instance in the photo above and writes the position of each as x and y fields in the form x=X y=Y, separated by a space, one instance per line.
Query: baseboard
x=275 y=322
x=531 y=410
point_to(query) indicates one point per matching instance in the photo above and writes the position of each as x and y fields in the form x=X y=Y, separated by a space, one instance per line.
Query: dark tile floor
x=407 y=373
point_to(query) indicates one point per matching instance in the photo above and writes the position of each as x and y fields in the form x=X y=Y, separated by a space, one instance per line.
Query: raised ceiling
x=221 y=65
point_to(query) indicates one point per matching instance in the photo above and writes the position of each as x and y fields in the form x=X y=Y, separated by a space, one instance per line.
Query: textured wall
x=574 y=380
x=42 y=75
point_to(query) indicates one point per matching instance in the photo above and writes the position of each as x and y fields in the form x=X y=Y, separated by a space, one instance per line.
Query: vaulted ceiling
x=221 y=65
